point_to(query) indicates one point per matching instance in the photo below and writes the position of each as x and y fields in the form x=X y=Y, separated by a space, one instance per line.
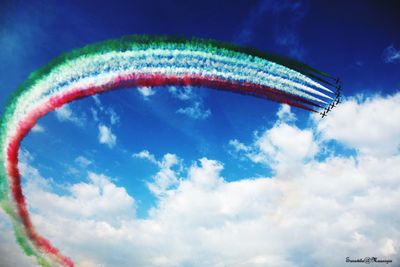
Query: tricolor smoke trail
x=136 y=62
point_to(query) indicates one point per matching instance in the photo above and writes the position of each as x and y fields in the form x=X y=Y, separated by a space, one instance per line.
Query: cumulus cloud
x=11 y=254
x=101 y=111
x=324 y=211
x=96 y=199
x=97 y=101
x=114 y=117
x=95 y=114
x=196 y=108
x=238 y=146
x=368 y=124
x=258 y=221
x=38 y=128
x=391 y=54
x=145 y=154
x=167 y=177
x=83 y=161
x=284 y=147
x=284 y=113
x=182 y=93
x=195 y=112
x=146 y=92
x=65 y=113
x=106 y=136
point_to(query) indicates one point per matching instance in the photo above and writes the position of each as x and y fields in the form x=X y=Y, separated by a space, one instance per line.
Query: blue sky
x=149 y=146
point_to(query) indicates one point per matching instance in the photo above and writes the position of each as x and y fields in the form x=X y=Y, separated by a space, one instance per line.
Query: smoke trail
x=139 y=61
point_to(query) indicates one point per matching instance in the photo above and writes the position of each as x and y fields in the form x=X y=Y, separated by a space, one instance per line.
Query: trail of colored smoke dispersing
x=136 y=62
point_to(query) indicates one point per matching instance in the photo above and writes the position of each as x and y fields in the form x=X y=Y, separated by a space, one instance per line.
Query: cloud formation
x=106 y=136
x=368 y=124
x=65 y=113
x=391 y=54
x=196 y=108
x=182 y=93
x=101 y=111
x=38 y=128
x=166 y=178
x=83 y=161
x=195 y=111
x=146 y=92
x=285 y=148
x=310 y=212
x=11 y=254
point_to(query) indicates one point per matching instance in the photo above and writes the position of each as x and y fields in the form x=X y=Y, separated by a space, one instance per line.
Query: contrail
x=138 y=61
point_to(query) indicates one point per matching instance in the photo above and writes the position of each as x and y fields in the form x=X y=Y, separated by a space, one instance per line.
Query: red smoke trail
x=121 y=81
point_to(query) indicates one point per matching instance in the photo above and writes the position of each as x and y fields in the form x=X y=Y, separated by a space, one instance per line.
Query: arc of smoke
x=138 y=61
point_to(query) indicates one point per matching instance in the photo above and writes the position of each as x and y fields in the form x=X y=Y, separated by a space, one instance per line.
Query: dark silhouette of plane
x=334 y=103
x=328 y=108
x=336 y=100
x=338 y=95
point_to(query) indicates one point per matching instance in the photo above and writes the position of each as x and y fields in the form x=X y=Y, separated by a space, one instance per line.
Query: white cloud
x=100 y=109
x=389 y=247
x=95 y=114
x=97 y=100
x=65 y=113
x=391 y=54
x=166 y=178
x=196 y=108
x=146 y=92
x=106 y=136
x=238 y=146
x=195 y=111
x=369 y=125
x=319 y=214
x=97 y=199
x=83 y=161
x=114 y=117
x=38 y=128
x=182 y=93
x=285 y=113
x=284 y=147
x=145 y=154
x=73 y=171
x=258 y=222
x=10 y=254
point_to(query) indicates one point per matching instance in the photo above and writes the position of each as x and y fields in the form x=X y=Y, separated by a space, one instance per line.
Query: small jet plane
x=337 y=100
x=328 y=108
x=338 y=95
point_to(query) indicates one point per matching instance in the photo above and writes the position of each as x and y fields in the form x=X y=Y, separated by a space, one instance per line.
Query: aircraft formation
x=336 y=101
